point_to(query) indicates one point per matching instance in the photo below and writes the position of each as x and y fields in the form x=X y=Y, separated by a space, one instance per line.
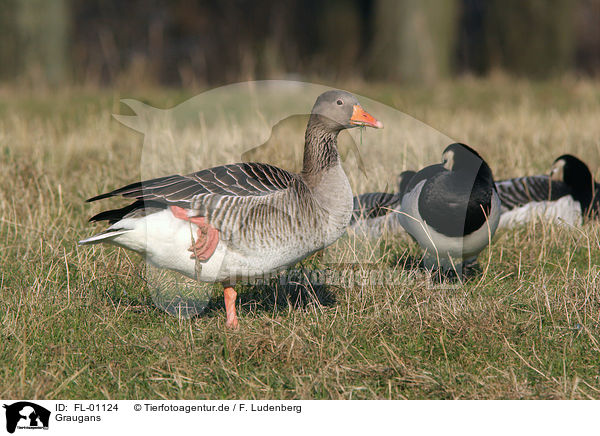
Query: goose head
x=336 y=110
x=576 y=175
x=333 y=112
x=570 y=170
x=458 y=156
x=463 y=160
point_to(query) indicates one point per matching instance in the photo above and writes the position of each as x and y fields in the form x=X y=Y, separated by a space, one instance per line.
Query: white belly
x=564 y=210
x=164 y=241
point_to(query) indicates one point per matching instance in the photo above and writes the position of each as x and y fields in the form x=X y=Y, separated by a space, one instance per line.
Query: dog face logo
x=24 y=414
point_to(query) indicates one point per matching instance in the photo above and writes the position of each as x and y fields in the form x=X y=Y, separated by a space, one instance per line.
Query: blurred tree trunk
x=413 y=40
x=533 y=37
x=587 y=30
x=42 y=39
x=339 y=33
x=8 y=39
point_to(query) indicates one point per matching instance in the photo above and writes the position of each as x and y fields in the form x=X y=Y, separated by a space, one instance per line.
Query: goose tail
x=105 y=236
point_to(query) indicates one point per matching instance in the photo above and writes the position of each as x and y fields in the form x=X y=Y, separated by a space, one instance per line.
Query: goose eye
x=340 y=102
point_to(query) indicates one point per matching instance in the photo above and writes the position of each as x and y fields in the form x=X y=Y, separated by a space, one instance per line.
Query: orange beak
x=362 y=118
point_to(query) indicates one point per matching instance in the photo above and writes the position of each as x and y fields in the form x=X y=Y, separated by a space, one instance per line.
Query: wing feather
x=221 y=193
x=519 y=191
x=236 y=180
x=373 y=205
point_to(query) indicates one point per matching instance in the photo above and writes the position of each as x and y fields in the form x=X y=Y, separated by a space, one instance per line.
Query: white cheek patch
x=448 y=160
x=558 y=171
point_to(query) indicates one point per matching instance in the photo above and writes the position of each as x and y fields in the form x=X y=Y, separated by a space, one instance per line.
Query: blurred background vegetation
x=202 y=43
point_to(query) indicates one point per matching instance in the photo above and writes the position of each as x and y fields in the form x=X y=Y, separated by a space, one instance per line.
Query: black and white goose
x=377 y=212
x=452 y=209
x=247 y=219
x=565 y=195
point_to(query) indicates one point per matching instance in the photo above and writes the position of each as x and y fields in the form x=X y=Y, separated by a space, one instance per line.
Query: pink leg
x=230 y=296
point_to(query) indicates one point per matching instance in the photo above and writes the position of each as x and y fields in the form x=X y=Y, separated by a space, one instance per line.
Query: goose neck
x=320 y=149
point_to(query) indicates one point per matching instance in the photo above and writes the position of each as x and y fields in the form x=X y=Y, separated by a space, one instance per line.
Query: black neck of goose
x=485 y=174
x=582 y=191
x=320 y=148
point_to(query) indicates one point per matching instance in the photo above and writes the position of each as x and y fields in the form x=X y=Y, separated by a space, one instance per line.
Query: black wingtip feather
x=99 y=197
x=114 y=215
x=135 y=185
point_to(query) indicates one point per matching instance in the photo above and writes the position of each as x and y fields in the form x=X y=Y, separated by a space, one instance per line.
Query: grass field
x=78 y=322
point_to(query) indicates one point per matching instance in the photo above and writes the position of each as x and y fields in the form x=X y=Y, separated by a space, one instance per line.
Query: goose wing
x=227 y=195
x=519 y=191
x=373 y=205
x=455 y=204
x=234 y=180
x=403 y=181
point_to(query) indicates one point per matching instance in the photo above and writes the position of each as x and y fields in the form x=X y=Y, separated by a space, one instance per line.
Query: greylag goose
x=452 y=209
x=565 y=195
x=242 y=220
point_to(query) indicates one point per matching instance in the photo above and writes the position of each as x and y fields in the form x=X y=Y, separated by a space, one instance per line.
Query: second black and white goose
x=565 y=195
x=452 y=209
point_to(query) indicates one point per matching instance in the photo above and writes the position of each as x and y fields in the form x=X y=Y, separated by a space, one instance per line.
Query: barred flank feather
x=373 y=205
x=522 y=190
